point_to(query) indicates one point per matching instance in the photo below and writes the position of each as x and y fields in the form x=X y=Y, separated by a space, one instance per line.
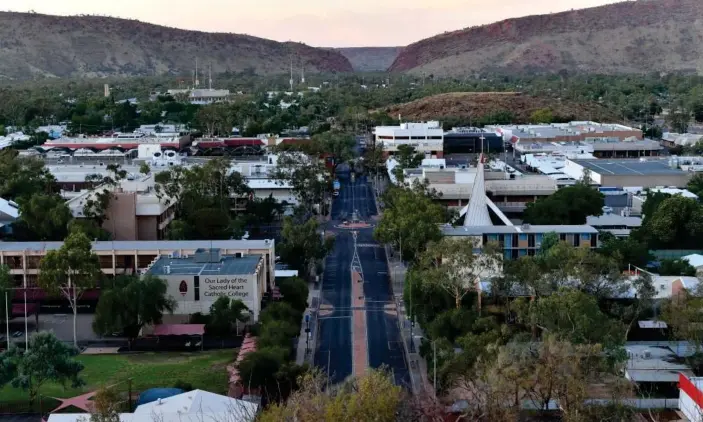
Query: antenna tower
x=291 y=73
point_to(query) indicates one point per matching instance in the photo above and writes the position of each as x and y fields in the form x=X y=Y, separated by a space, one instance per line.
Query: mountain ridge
x=38 y=45
x=607 y=39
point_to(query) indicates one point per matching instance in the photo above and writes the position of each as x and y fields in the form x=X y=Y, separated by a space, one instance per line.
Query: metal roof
x=613 y=220
x=228 y=265
x=477 y=212
x=164 y=245
x=481 y=230
x=628 y=167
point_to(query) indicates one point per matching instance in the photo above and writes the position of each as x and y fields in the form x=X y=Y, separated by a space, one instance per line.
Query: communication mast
x=291 y=73
x=302 y=71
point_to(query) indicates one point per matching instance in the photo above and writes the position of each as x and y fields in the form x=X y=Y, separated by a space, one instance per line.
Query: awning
x=179 y=330
x=18 y=309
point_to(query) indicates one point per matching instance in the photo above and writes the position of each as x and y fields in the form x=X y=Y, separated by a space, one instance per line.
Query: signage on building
x=235 y=287
x=183 y=288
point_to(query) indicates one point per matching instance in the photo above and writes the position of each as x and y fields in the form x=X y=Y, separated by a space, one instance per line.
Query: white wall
x=689 y=408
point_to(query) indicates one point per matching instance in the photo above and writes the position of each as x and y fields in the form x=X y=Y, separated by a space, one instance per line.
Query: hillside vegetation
x=629 y=37
x=35 y=45
x=475 y=106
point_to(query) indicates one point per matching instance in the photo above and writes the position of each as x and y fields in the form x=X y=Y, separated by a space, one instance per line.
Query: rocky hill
x=629 y=37
x=35 y=45
x=475 y=105
x=370 y=59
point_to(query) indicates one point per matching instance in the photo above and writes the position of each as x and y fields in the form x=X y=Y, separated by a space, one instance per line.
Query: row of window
x=534 y=240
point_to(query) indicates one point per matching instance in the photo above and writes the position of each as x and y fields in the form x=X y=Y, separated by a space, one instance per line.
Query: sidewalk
x=303 y=354
x=417 y=365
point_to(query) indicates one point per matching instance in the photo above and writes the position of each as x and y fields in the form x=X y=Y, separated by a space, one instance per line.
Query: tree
x=46 y=215
x=407 y=158
x=70 y=271
x=224 y=314
x=542 y=115
x=695 y=185
x=144 y=168
x=676 y=267
x=131 y=303
x=684 y=314
x=258 y=369
x=569 y=205
x=572 y=316
x=295 y=292
x=372 y=397
x=676 y=223
x=306 y=175
x=303 y=245
x=23 y=176
x=628 y=251
x=456 y=266
x=338 y=145
x=410 y=220
x=46 y=359
x=106 y=405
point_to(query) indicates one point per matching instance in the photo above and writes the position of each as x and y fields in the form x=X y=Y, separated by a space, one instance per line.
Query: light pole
x=434 y=361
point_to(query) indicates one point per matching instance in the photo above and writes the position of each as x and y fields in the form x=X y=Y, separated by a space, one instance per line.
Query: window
x=586 y=236
x=196 y=288
x=531 y=241
x=562 y=237
x=523 y=236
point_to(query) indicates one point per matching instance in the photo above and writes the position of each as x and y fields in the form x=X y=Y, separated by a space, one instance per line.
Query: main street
x=358 y=321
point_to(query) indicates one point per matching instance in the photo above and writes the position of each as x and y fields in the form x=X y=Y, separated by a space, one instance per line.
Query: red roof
x=179 y=330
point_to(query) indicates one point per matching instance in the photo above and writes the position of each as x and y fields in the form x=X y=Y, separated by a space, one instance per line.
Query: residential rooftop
x=628 y=167
x=613 y=220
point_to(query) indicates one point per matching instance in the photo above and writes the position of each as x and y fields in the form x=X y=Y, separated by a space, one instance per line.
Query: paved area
x=351 y=311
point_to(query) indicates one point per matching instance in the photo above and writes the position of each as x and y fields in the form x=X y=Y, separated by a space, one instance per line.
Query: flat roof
x=228 y=265
x=627 y=167
x=481 y=230
x=166 y=245
x=613 y=220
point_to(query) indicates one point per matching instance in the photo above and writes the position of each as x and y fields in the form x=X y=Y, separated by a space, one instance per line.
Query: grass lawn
x=204 y=370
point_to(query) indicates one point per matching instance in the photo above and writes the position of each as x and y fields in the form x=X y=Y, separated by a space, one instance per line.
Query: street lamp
x=434 y=359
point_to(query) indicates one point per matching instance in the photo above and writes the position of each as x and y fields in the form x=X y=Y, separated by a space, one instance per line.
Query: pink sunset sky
x=327 y=23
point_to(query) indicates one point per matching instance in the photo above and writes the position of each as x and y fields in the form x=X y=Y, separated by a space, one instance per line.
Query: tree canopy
x=568 y=205
x=131 y=303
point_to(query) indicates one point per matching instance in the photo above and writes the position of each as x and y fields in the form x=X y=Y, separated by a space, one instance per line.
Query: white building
x=9 y=213
x=691 y=397
x=427 y=138
x=192 y=406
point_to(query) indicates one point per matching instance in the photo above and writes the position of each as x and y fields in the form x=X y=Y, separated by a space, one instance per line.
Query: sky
x=322 y=23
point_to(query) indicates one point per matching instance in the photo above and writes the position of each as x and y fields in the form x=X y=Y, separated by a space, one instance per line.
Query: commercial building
x=118 y=141
x=132 y=257
x=202 y=96
x=196 y=281
x=629 y=173
x=598 y=147
x=508 y=189
x=426 y=138
x=471 y=140
x=672 y=140
x=564 y=132
x=134 y=212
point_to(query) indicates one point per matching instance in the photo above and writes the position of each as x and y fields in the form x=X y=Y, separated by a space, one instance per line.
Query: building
x=191 y=406
x=471 y=140
x=598 y=147
x=202 y=96
x=525 y=240
x=628 y=173
x=426 y=138
x=160 y=129
x=507 y=188
x=132 y=257
x=618 y=225
x=196 y=281
x=9 y=213
x=118 y=141
x=564 y=132
x=672 y=140
x=135 y=212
